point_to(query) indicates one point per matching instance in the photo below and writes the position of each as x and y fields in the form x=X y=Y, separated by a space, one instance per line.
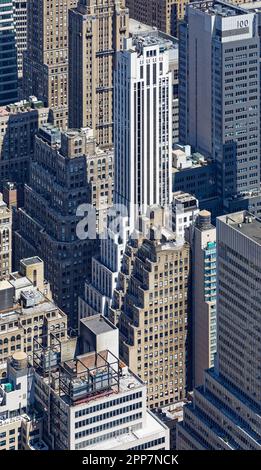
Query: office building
x=202 y=239
x=225 y=413
x=92 y=401
x=19 y=123
x=219 y=115
x=20 y=18
x=19 y=429
x=8 y=54
x=105 y=267
x=162 y=14
x=143 y=83
x=195 y=174
x=140 y=182
x=153 y=311
x=5 y=239
x=139 y=29
x=45 y=62
x=26 y=310
x=52 y=213
x=96 y=32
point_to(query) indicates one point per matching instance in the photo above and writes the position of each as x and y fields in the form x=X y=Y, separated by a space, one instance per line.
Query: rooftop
x=180 y=196
x=218 y=8
x=50 y=134
x=184 y=159
x=32 y=302
x=32 y=260
x=245 y=223
x=151 y=38
x=98 y=324
x=5 y=284
x=151 y=428
x=86 y=378
x=136 y=27
x=20 y=282
x=255 y=5
x=22 y=106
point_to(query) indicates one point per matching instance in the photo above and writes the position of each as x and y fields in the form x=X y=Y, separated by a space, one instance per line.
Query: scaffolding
x=89 y=375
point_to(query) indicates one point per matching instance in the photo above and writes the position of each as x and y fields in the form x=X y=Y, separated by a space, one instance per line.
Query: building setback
x=151 y=306
x=59 y=184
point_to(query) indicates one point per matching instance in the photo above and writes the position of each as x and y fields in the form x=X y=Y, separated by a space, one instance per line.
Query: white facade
x=105 y=268
x=143 y=125
x=20 y=17
x=143 y=155
x=112 y=415
x=16 y=397
x=117 y=422
x=184 y=213
x=5 y=239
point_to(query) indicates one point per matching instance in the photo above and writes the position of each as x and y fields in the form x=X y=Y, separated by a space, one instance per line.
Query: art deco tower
x=46 y=59
x=96 y=32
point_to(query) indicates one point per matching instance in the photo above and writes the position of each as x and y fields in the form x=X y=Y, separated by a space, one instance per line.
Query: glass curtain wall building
x=8 y=54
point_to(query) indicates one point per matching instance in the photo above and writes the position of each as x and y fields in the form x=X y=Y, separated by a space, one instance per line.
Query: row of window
x=108 y=404
x=110 y=414
x=110 y=424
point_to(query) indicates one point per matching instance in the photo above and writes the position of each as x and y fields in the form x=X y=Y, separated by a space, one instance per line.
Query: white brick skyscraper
x=143 y=124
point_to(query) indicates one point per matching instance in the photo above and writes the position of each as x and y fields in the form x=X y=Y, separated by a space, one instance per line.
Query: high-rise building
x=46 y=58
x=20 y=17
x=5 y=239
x=59 y=184
x=151 y=307
x=96 y=32
x=106 y=265
x=141 y=181
x=8 y=54
x=202 y=239
x=220 y=94
x=140 y=29
x=97 y=403
x=163 y=14
x=26 y=311
x=19 y=430
x=19 y=123
x=225 y=413
x=194 y=173
x=143 y=124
